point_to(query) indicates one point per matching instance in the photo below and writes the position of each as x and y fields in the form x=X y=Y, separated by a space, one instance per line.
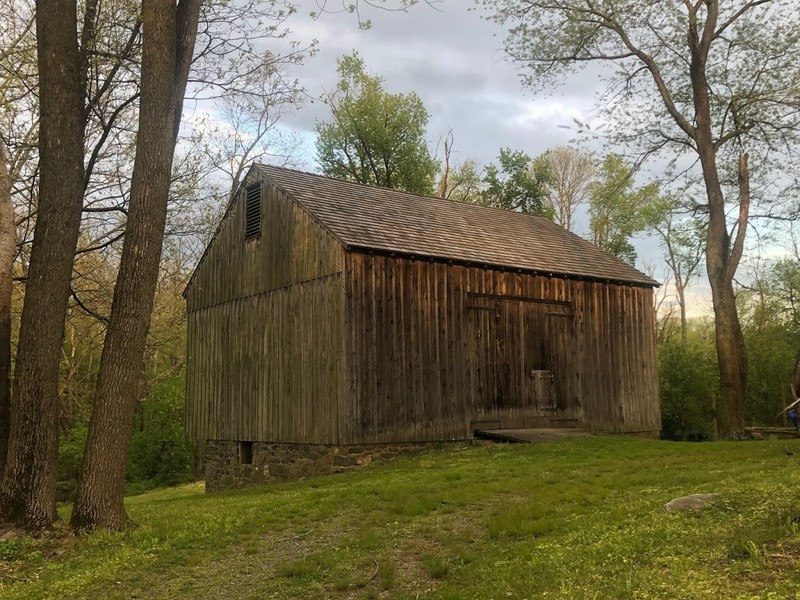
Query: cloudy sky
x=453 y=59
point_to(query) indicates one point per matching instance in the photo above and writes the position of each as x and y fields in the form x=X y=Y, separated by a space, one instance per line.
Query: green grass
x=571 y=519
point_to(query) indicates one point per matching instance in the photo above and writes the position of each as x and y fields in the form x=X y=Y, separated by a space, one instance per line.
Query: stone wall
x=232 y=464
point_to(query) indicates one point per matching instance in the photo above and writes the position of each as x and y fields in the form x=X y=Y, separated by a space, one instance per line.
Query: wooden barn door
x=517 y=351
x=562 y=364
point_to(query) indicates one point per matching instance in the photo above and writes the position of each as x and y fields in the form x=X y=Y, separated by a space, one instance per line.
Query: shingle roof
x=381 y=219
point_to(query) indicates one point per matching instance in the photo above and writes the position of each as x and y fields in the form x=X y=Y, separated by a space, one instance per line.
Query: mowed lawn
x=579 y=518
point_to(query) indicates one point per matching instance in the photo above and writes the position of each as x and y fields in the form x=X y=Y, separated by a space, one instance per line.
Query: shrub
x=689 y=382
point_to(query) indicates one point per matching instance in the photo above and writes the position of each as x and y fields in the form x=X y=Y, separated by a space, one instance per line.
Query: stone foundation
x=232 y=464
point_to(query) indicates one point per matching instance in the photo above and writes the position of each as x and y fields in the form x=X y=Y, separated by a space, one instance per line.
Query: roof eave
x=651 y=283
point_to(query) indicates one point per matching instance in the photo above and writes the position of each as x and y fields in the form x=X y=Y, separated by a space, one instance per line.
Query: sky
x=453 y=59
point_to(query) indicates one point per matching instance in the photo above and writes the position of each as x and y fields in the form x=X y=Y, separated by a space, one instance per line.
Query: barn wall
x=434 y=350
x=265 y=331
x=617 y=349
x=267 y=367
x=292 y=249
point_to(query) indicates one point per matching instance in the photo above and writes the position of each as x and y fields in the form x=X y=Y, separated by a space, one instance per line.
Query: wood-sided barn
x=327 y=315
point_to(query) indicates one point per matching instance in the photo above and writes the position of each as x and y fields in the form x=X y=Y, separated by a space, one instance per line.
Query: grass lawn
x=578 y=518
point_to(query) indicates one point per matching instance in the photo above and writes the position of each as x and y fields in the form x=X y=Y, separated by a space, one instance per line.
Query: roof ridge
x=472 y=205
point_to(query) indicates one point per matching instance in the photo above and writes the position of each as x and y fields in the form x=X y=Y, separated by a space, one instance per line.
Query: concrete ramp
x=525 y=436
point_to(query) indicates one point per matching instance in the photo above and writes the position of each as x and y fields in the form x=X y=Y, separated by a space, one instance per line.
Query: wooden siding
x=434 y=349
x=268 y=367
x=292 y=248
x=264 y=341
x=293 y=339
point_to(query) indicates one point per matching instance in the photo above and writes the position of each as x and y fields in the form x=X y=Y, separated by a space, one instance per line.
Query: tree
x=170 y=31
x=715 y=79
x=76 y=71
x=109 y=44
x=617 y=210
x=683 y=244
x=27 y=493
x=16 y=50
x=461 y=181
x=8 y=244
x=375 y=138
x=518 y=183
x=571 y=172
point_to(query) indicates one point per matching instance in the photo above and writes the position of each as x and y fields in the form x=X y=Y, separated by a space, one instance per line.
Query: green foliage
x=18 y=550
x=771 y=325
x=689 y=383
x=375 y=138
x=70 y=458
x=463 y=182
x=688 y=377
x=573 y=519
x=518 y=183
x=618 y=210
x=159 y=453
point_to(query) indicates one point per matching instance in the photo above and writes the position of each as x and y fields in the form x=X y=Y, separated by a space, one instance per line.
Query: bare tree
x=571 y=171
x=443 y=188
x=457 y=181
x=683 y=247
x=663 y=311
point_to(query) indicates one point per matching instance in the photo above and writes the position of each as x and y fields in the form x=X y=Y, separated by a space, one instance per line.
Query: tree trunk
x=169 y=33
x=722 y=257
x=8 y=243
x=732 y=359
x=731 y=352
x=680 y=289
x=721 y=262
x=27 y=495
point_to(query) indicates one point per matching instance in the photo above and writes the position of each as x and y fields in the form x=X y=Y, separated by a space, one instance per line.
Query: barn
x=330 y=323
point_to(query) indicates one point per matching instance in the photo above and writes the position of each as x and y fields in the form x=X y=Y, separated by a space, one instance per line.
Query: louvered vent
x=252 y=212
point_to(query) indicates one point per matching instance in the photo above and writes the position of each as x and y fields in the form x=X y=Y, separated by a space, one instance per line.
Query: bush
x=70 y=459
x=771 y=352
x=688 y=382
x=159 y=453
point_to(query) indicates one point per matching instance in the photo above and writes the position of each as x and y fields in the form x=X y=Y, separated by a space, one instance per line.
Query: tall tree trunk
x=169 y=33
x=722 y=256
x=721 y=265
x=722 y=259
x=27 y=494
x=732 y=360
x=8 y=243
